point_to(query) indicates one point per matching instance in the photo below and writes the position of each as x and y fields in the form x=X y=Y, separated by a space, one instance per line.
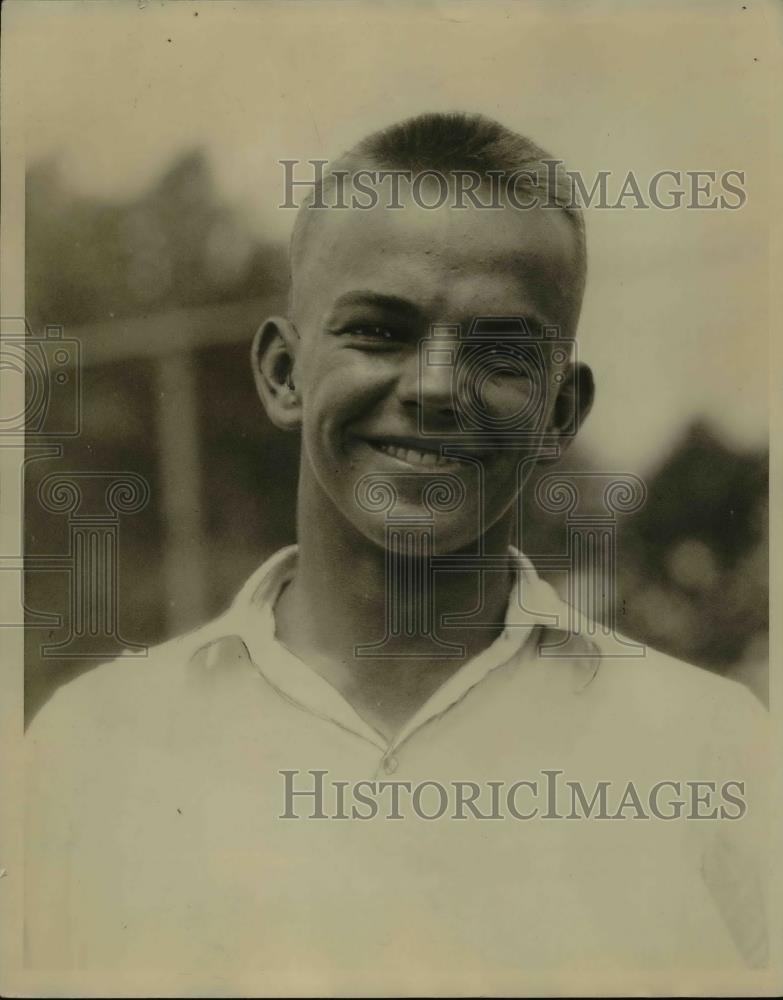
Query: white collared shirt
x=157 y=787
x=252 y=617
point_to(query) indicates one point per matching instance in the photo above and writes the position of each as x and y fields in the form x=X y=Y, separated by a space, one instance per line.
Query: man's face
x=378 y=406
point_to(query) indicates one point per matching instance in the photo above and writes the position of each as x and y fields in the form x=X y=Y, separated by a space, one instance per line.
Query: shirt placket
x=302 y=686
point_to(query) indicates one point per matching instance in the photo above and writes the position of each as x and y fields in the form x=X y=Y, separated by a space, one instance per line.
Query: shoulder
x=128 y=735
x=675 y=705
x=642 y=685
x=655 y=703
x=646 y=676
x=131 y=691
x=139 y=694
x=645 y=681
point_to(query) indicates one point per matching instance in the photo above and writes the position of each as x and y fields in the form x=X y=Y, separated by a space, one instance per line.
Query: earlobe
x=273 y=357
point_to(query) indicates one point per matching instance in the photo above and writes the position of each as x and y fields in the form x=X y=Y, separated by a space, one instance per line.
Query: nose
x=426 y=382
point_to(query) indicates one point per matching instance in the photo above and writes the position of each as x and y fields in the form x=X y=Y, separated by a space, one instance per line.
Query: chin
x=418 y=537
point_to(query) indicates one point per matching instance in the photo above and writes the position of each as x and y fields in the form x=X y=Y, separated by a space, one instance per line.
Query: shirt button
x=390 y=764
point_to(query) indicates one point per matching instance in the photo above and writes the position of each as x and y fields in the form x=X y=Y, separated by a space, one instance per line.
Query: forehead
x=451 y=264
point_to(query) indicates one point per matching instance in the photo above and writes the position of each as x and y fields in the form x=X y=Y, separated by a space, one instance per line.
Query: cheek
x=507 y=404
x=339 y=385
x=506 y=394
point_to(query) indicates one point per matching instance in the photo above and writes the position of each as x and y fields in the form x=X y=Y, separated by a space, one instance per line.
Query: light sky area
x=675 y=322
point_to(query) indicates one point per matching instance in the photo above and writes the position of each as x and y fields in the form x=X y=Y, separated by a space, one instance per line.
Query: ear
x=574 y=402
x=273 y=358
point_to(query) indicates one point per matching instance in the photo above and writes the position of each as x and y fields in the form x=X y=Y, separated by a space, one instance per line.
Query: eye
x=372 y=333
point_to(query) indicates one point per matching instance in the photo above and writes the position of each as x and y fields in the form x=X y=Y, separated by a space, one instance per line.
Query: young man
x=398 y=761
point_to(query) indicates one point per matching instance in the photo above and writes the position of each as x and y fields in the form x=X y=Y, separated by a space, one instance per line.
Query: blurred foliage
x=692 y=564
x=175 y=245
x=703 y=540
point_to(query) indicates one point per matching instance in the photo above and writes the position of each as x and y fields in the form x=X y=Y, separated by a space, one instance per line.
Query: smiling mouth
x=415 y=453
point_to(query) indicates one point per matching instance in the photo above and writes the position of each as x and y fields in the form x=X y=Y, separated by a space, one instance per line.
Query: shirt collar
x=532 y=603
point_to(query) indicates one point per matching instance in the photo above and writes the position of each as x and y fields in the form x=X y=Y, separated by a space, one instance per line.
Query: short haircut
x=454 y=142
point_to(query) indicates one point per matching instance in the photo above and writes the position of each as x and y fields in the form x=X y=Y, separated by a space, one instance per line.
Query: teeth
x=416 y=456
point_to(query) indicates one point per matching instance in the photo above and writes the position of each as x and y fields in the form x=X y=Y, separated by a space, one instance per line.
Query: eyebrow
x=404 y=307
x=391 y=303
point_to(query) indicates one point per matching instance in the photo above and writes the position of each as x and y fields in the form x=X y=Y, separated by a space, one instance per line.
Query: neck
x=338 y=601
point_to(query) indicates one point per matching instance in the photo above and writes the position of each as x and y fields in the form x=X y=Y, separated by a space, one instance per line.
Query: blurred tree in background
x=176 y=245
x=692 y=565
x=703 y=541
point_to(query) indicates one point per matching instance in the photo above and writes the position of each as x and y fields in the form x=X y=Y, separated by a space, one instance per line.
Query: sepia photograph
x=389 y=404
